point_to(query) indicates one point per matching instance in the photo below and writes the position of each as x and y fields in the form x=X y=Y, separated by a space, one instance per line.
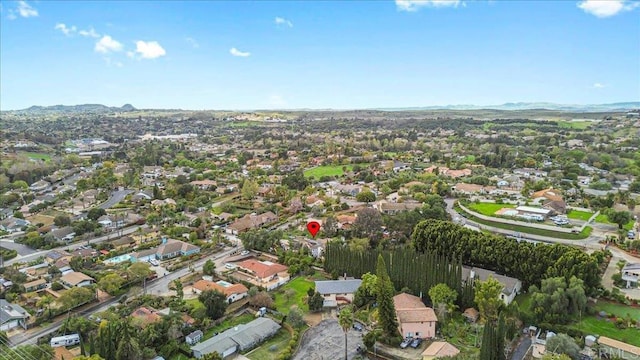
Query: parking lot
x=325 y=341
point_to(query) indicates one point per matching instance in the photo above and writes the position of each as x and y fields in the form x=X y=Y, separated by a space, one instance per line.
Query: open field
x=328 y=170
x=300 y=285
x=37 y=156
x=575 y=125
x=39 y=218
x=272 y=348
x=579 y=215
x=488 y=209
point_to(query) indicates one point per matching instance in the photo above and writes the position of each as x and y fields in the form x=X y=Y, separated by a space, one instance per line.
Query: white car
x=154 y=262
x=229 y=266
x=245 y=252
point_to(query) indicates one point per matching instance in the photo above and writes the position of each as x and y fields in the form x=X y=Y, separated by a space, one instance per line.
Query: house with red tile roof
x=265 y=273
x=233 y=292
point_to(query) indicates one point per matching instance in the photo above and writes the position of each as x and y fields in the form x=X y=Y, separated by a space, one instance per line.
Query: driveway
x=325 y=341
x=522 y=349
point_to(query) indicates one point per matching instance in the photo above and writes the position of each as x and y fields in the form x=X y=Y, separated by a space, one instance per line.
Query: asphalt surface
x=156 y=287
x=522 y=349
x=20 y=248
x=325 y=341
x=37 y=253
x=115 y=198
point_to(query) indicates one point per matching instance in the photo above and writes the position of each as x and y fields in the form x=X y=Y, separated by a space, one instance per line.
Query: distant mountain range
x=620 y=106
x=79 y=108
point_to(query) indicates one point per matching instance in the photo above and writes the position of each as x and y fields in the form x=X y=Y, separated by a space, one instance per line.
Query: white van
x=66 y=340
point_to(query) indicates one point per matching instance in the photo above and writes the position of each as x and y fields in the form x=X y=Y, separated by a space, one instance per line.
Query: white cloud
x=193 y=42
x=25 y=10
x=415 y=5
x=67 y=31
x=236 y=52
x=89 y=33
x=112 y=63
x=607 y=8
x=284 y=22
x=599 y=86
x=149 y=49
x=107 y=44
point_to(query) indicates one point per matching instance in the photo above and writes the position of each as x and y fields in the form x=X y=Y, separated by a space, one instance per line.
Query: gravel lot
x=325 y=341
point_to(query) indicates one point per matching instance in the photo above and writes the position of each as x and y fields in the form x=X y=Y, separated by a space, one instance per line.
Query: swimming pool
x=118 y=259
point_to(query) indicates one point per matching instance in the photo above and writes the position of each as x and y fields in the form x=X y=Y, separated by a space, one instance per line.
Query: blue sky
x=329 y=54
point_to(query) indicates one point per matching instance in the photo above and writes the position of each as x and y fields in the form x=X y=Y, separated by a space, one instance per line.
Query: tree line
x=407 y=269
x=523 y=260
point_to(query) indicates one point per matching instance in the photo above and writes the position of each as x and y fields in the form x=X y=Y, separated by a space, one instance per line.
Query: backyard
x=38 y=156
x=602 y=218
x=300 y=285
x=271 y=349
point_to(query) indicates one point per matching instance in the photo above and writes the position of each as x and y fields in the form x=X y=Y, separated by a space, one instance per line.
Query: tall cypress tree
x=386 y=309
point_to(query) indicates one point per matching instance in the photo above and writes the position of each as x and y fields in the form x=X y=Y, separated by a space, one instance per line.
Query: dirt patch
x=313 y=319
x=44 y=219
x=326 y=341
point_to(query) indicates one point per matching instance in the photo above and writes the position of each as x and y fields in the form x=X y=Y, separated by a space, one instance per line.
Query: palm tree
x=45 y=301
x=346 y=322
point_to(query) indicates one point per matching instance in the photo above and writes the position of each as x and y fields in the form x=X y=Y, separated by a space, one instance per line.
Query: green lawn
x=579 y=215
x=195 y=303
x=530 y=230
x=300 y=285
x=328 y=170
x=604 y=327
x=488 y=209
x=618 y=309
x=38 y=156
x=602 y=218
x=576 y=125
x=271 y=349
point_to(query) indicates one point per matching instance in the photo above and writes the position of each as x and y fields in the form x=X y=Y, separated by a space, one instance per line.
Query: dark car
x=357 y=326
x=416 y=342
x=406 y=342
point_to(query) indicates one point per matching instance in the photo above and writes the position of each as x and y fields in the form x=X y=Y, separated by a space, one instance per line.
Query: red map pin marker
x=313 y=227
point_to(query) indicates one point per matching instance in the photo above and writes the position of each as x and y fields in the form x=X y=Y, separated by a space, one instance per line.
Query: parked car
x=154 y=262
x=416 y=342
x=245 y=252
x=631 y=234
x=406 y=342
x=357 y=326
x=229 y=266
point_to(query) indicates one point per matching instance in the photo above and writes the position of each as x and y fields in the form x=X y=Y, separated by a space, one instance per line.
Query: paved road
x=38 y=253
x=115 y=198
x=155 y=287
x=20 y=248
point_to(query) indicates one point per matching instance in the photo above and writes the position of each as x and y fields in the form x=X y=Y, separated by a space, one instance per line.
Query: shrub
x=56 y=286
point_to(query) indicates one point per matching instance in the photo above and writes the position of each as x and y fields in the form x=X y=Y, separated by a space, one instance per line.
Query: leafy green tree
x=111 y=283
x=209 y=268
x=384 y=296
x=366 y=196
x=214 y=302
x=249 y=190
x=621 y=218
x=488 y=298
x=62 y=220
x=346 y=322
x=563 y=344
x=555 y=301
x=296 y=317
x=177 y=284
x=95 y=213
x=316 y=302
x=368 y=222
x=74 y=297
x=138 y=271
x=212 y=356
x=366 y=292
x=442 y=294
